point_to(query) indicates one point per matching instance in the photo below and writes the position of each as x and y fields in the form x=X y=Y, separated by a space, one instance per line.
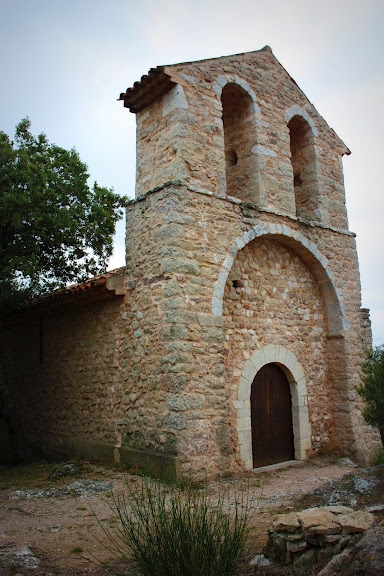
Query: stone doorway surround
x=295 y=374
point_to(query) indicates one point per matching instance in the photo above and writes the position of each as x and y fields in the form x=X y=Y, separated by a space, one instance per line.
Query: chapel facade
x=234 y=337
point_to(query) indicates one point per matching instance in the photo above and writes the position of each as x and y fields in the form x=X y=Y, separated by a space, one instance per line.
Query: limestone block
x=243 y=424
x=238 y=404
x=244 y=413
x=258 y=360
x=248 y=373
x=303 y=428
x=191 y=152
x=318 y=521
x=173 y=303
x=174 y=332
x=240 y=243
x=184 y=402
x=176 y=421
x=298 y=546
x=244 y=392
x=212 y=334
x=116 y=283
x=286 y=522
x=270 y=353
x=339 y=509
x=258 y=149
x=297 y=400
x=223 y=275
x=227 y=263
x=218 y=291
x=297 y=371
x=305 y=424
x=180 y=218
x=174 y=171
x=352 y=522
x=244 y=437
x=301 y=387
x=180 y=315
x=290 y=360
x=248 y=236
x=217 y=306
x=246 y=453
x=176 y=265
x=174 y=100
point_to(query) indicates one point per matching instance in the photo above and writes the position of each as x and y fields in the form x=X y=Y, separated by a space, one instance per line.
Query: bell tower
x=239 y=256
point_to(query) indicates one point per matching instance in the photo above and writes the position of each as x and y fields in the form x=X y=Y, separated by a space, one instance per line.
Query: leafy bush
x=166 y=531
x=371 y=389
x=378 y=457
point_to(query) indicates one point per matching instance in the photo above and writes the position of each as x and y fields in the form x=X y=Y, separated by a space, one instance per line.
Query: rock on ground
x=367 y=557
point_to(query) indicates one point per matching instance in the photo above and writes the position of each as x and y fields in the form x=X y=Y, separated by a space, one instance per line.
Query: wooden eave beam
x=150 y=88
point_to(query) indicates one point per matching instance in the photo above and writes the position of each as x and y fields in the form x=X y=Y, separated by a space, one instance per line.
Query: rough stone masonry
x=241 y=283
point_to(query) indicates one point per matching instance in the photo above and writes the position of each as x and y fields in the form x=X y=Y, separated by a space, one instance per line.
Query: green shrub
x=371 y=389
x=166 y=531
x=378 y=457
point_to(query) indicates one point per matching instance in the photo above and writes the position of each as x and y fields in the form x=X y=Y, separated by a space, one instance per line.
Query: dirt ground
x=55 y=527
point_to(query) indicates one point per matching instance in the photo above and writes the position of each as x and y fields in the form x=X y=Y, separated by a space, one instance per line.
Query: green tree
x=371 y=389
x=54 y=228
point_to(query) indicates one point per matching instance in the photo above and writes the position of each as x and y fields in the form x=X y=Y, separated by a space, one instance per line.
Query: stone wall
x=204 y=343
x=63 y=369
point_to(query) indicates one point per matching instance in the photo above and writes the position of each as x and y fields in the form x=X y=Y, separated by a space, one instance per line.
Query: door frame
x=294 y=372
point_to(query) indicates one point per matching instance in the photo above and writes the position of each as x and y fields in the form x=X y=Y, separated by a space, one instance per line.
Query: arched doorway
x=271 y=417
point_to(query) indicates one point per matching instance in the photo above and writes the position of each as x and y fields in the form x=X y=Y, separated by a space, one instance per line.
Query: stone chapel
x=233 y=338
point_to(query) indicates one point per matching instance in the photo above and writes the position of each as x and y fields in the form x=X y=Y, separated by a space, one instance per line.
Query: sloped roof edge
x=161 y=79
x=112 y=280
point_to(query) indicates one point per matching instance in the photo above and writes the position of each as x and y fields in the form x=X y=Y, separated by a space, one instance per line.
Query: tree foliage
x=371 y=389
x=54 y=228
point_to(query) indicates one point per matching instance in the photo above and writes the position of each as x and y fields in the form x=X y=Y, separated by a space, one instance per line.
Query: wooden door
x=271 y=417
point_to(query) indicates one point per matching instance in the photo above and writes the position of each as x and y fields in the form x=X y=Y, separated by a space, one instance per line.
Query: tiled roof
x=82 y=288
x=151 y=86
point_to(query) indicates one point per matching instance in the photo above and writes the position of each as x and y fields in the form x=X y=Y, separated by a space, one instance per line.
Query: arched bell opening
x=239 y=126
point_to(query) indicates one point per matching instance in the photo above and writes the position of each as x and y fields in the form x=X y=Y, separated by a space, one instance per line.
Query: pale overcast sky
x=64 y=63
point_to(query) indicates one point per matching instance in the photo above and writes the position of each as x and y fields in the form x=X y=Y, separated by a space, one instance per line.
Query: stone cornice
x=241 y=203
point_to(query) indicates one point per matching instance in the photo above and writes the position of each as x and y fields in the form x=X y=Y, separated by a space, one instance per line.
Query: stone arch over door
x=334 y=379
x=311 y=256
x=294 y=372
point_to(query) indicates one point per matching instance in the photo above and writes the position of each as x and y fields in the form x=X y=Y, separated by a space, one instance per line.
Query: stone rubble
x=22 y=558
x=315 y=534
x=80 y=488
x=336 y=494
